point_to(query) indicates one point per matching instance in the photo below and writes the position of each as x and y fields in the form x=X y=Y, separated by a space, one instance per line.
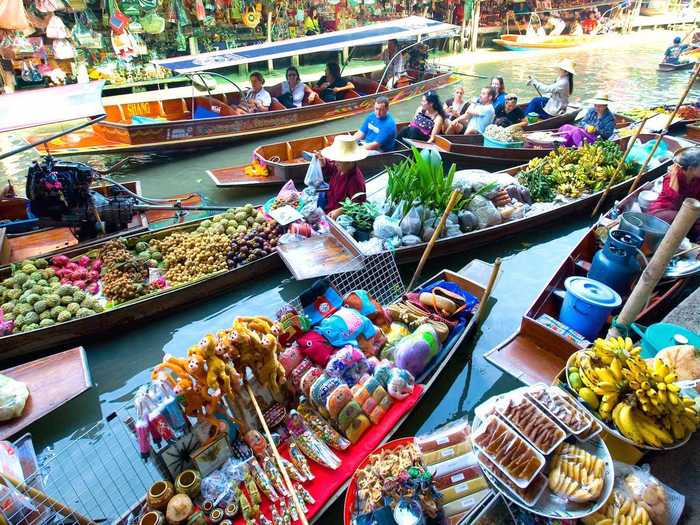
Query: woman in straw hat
x=597 y=122
x=345 y=180
x=559 y=92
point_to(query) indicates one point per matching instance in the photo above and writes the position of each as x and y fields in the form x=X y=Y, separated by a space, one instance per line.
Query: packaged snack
x=576 y=475
x=574 y=419
x=464 y=504
x=648 y=492
x=461 y=475
x=443 y=454
x=528 y=495
x=592 y=431
x=463 y=489
x=531 y=422
x=452 y=465
x=450 y=434
x=620 y=508
x=511 y=453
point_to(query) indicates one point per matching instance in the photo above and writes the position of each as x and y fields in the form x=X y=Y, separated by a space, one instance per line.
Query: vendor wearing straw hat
x=345 y=180
x=682 y=181
x=597 y=122
x=559 y=92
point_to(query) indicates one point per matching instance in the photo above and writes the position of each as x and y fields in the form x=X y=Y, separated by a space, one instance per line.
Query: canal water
x=121 y=361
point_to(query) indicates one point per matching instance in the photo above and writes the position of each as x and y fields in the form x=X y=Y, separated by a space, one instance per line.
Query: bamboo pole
x=681 y=225
x=619 y=166
x=278 y=458
x=41 y=498
x=489 y=288
x=638 y=178
x=438 y=229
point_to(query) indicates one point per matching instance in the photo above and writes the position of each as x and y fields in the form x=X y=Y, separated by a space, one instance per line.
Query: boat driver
x=256 y=99
x=378 y=131
x=682 y=181
x=674 y=52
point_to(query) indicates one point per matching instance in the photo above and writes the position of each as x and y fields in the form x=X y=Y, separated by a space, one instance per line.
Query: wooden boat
x=49 y=241
x=191 y=120
x=665 y=67
x=474 y=239
x=536 y=353
x=52 y=382
x=285 y=160
x=525 y=42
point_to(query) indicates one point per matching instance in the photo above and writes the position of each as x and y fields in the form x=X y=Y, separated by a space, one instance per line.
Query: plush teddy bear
x=414 y=352
x=344 y=327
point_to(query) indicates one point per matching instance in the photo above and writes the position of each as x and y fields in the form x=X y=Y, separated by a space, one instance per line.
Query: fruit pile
x=123 y=275
x=33 y=297
x=573 y=172
x=639 y=397
x=256 y=243
x=233 y=221
x=83 y=273
x=504 y=134
x=146 y=251
x=192 y=255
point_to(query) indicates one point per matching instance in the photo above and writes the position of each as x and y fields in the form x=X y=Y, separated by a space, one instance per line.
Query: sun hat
x=602 y=97
x=344 y=149
x=567 y=65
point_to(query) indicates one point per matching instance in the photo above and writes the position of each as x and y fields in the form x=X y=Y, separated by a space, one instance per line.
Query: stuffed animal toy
x=292 y=325
x=368 y=306
x=176 y=365
x=394 y=333
x=344 y=327
x=414 y=352
x=291 y=358
x=197 y=403
x=400 y=384
x=372 y=346
x=304 y=366
x=314 y=346
x=372 y=397
x=349 y=364
x=320 y=301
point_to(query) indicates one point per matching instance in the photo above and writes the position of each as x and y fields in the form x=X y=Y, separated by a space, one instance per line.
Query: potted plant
x=363 y=215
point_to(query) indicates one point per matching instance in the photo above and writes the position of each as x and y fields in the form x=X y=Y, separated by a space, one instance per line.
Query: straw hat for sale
x=567 y=65
x=602 y=98
x=344 y=149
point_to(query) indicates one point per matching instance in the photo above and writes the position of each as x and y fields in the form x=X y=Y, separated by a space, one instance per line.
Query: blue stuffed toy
x=345 y=326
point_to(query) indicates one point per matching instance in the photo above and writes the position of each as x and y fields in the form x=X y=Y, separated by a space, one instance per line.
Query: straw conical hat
x=602 y=97
x=567 y=65
x=344 y=149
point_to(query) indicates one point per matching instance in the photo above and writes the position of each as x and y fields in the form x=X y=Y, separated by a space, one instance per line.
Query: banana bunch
x=619 y=510
x=639 y=427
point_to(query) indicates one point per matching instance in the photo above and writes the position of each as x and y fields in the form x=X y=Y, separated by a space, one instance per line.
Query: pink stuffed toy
x=314 y=346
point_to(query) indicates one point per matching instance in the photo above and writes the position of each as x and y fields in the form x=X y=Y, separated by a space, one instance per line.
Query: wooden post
x=464 y=26
x=270 y=65
x=620 y=166
x=681 y=225
x=436 y=234
x=638 y=178
x=475 y=25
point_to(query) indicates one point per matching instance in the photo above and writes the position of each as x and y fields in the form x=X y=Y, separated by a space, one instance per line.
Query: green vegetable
x=362 y=214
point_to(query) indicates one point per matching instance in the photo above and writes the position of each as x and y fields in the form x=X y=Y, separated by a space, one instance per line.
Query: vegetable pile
x=574 y=172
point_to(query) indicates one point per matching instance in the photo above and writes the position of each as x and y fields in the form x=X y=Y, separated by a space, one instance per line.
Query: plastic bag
x=287 y=190
x=649 y=493
x=452 y=229
x=56 y=28
x=13 y=397
x=393 y=243
x=467 y=221
x=385 y=227
x=410 y=240
x=397 y=214
x=314 y=174
x=372 y=246
x=640 y=152
x=486 y=213
x=411 y=224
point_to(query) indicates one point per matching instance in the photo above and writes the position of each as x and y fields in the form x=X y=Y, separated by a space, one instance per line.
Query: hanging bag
x=62 y=49
x=153 y=24
x=49 y=6
x=13 y=16
x=56 y=28
x=118 y=21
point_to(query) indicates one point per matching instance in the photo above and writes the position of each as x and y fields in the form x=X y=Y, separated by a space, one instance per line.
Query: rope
x=622 y=329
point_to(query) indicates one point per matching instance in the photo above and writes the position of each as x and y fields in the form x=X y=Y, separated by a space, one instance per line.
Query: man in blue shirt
x=378 y=131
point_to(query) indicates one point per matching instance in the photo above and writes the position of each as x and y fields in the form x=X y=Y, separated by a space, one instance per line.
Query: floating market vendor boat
x=666 y=67
x=527 y=42
x=376 y=191
x=539 y=350
x=191 y=120
x=52 y=381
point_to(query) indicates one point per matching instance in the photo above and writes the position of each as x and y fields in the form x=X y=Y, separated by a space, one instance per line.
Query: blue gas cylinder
x=616 y=263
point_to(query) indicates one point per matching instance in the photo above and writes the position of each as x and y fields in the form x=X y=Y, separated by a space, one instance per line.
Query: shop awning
x=26 y=109
x=404 y=28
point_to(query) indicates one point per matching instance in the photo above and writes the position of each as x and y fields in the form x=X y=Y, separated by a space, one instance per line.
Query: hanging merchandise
x=21 y=45
x=135 y=27
x=148 y=5
x=56 y=28
x=63 y=49
x=153 y=24
x=182 y=18
x=81 y=32
x=118 y=21
x=131 y=8
x=140 y=46
x=77 y=6
x=29 y=72
x=49 y=6
x=123 y=45
x=13 y=16
x=236 y=9
x=199 y=10
x=251 y=17
x=180 y=40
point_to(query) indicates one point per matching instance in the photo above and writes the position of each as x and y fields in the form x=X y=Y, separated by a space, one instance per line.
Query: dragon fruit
x=60 y=260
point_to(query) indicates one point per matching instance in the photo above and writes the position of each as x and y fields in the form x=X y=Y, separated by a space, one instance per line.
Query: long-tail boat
x=191 y=119
x=527 y=42
x=537 y=353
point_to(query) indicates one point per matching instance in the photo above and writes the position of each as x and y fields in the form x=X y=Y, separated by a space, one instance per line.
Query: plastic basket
x=493 y=143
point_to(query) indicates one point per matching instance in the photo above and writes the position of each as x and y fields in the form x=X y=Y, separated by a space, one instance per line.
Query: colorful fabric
x=423 y=123
x=576 y=136
x=670 y=198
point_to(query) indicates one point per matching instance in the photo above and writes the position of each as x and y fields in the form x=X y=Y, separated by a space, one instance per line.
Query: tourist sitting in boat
x=378 y=131
x=590 y=24
x=673 y=53
x=428 y=121
x=312 y=24
x=477 y=116
x=293 y=90
x=559 y=92
x=597 y=122
x=345 y=180
x=499 y=90
x=257 y=99
x=331 y=85
x=682 y=181
x=457 y=105
x=510 y=114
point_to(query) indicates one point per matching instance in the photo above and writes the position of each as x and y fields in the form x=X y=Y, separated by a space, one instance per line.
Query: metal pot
x=651 y=229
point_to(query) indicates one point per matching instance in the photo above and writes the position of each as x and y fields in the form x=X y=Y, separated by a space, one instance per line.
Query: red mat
x=327 y=481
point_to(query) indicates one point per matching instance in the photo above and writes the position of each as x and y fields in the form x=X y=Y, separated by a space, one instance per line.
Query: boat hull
x=523 y=43
x=669 y=68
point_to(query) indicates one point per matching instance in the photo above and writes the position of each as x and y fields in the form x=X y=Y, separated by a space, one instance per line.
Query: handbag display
x=13 y=16
x=153 y=24
x=49 y=6
x=63 y=49
x=56 y=28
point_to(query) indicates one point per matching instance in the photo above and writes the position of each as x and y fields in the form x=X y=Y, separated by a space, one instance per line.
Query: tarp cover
x=26 y=109
x=359 y=36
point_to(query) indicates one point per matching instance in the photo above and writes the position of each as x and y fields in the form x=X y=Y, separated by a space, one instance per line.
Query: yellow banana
x=616 y=369
x=626 y=423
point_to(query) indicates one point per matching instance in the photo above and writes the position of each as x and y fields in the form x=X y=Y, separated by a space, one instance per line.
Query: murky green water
x=120 y=362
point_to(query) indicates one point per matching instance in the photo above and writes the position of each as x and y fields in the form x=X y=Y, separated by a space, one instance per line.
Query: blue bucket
x=587 y=305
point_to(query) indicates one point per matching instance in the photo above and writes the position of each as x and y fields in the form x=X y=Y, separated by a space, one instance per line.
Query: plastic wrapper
x=411 y=223
x=288 y=190
x=511 y=453
x=392 y=244
x=398 y=212
x=371 y=246
x=443 y=454
x=410 y=240
x=452 y=230
x=553 y=400
x=464 y=504
x=576 y=475
x=527 y=495
x=467 y=221
x=592 y=431
x=649 y=493
x=288 y=238
x=463 y=489
x=457 y=477
x=385 y=227
x=519 y=192
x=528 y=419
x=453 y=465
x=13 y=397
x=445 y=436
x=486 y=213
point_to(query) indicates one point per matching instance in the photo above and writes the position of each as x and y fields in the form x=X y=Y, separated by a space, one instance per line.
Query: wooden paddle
x=278 y=458
x=620 y=166
x=436 y=234
x=638 y=178
x=487 y=292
